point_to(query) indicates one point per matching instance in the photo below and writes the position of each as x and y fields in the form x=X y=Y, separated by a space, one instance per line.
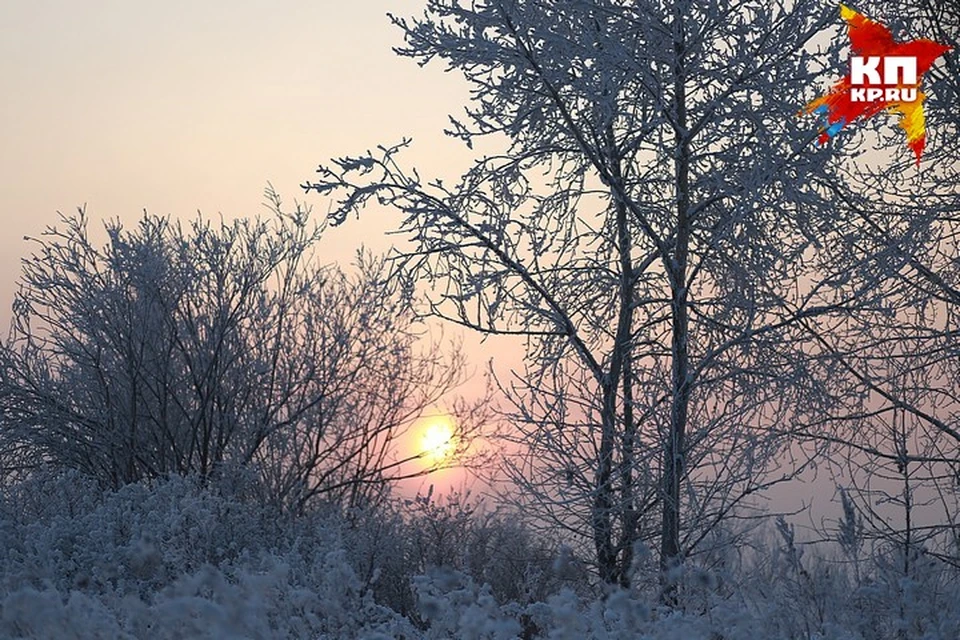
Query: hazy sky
x=179 y=106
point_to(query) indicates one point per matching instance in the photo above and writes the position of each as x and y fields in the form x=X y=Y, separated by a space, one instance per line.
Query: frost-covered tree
x=656 y=228
x=182 y=348
x=896 y=365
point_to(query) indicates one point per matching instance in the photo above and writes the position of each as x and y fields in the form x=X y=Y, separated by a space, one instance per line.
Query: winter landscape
x=480 y=319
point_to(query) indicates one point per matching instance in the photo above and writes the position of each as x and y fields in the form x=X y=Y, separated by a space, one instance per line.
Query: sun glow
x=438 y=441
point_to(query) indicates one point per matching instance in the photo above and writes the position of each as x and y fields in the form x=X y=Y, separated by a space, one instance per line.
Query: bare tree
x=894 y=418
x=184 y=348
x=656 y=230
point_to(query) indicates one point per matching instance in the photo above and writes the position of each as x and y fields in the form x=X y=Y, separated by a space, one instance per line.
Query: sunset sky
x=181 y=106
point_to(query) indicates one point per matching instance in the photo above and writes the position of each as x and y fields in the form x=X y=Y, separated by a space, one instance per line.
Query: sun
x=438 y=441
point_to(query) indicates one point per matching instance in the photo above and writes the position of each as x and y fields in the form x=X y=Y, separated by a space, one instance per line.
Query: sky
x=180 y=106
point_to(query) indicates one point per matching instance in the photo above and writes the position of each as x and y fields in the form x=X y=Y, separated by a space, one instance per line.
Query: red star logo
x=847 y=101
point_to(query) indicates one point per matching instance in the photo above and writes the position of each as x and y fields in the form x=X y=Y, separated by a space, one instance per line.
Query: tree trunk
x=673 y=463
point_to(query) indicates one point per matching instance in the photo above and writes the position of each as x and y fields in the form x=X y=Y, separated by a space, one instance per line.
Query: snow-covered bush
x=186 y=347
x=173 y=559
x=391 y=547
x=176 y=557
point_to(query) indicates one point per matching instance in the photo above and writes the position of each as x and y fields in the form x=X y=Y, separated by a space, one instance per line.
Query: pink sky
x=179 y=106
